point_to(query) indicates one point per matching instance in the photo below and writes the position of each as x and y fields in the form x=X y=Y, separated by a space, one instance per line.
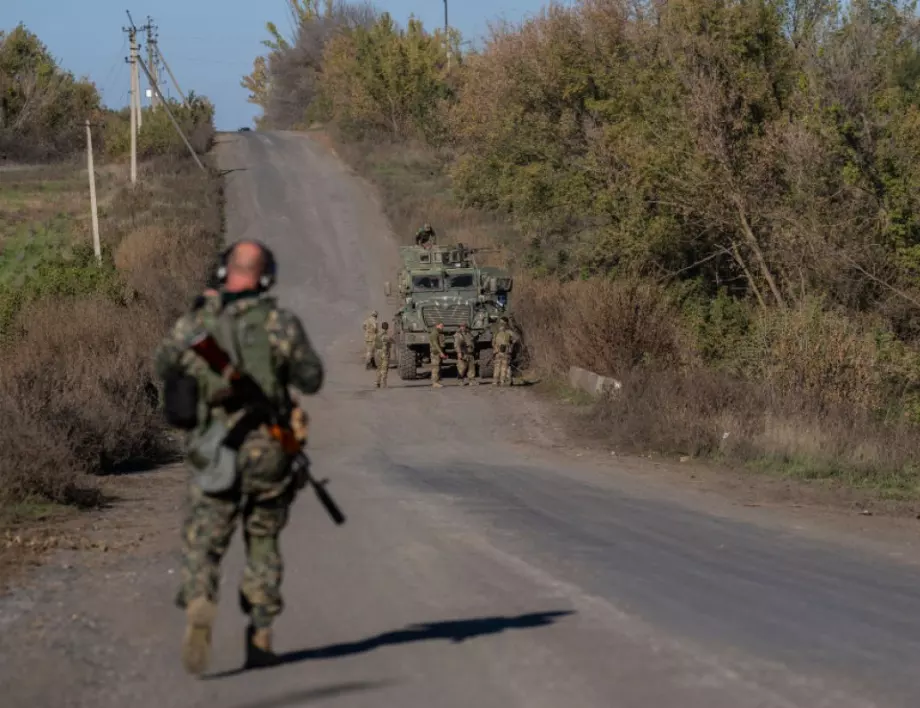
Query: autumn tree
x=42 y=107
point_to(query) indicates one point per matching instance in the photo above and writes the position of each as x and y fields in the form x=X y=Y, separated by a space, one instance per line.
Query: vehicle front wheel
x=408 y=369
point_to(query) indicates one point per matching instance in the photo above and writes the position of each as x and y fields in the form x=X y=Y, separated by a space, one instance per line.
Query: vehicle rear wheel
x=485 y=363
x=408 y=369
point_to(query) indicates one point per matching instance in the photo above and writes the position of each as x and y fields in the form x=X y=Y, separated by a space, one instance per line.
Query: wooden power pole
x=132 y=61
x=97 y=247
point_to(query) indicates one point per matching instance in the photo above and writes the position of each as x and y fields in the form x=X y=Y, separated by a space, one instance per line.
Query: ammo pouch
x=180 y=401
x=213 y=463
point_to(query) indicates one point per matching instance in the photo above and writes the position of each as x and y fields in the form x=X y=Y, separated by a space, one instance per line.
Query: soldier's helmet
x=373 y=313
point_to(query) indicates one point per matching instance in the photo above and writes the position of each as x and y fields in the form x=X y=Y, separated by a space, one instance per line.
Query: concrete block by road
x=592 y=383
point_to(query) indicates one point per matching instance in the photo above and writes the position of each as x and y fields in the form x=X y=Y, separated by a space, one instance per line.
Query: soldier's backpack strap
x=226 y=325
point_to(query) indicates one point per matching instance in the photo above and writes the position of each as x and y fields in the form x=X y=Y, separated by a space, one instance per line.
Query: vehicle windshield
x=460 y=280
x=426 y=282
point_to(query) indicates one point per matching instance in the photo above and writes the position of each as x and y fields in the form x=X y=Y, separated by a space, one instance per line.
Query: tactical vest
x=240 y=329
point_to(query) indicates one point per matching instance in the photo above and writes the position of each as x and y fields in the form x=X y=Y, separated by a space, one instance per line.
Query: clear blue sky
x=209 y=44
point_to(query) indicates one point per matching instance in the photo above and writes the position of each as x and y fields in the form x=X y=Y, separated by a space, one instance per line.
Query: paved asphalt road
x=474 y=572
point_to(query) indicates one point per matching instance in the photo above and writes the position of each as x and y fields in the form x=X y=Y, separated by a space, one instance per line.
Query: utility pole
x=152 y=51
x=135 y=78
x=171 y=116
x=169 y=71
x=132 y=36
x=97 y=248
x=446 y=35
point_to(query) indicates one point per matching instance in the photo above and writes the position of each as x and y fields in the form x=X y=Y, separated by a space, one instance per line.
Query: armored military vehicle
x=445 y=284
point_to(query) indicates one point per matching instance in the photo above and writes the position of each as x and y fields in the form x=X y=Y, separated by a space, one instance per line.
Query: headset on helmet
x=266 y=280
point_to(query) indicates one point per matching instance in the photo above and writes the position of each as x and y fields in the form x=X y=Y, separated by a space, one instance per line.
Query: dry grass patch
x=77 y=395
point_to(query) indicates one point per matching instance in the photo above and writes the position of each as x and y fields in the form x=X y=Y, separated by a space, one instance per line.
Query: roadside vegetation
x=77 y=398
x=714 y=202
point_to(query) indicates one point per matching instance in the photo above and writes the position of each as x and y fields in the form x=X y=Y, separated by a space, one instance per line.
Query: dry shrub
x=606 y=326
x=685 y=413
x=83 y=367
x=77 y=395
x=705 y=413
x=818 y=355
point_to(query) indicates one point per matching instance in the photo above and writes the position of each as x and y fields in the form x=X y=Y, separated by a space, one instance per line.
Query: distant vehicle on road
x=245 y=129
x=445 y=284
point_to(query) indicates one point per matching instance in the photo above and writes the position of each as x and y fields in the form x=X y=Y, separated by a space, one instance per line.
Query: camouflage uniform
x=424 y=235
x=370 y=334
x=383 y=347
x=271 y=345
x=465 y=346
x=501 y=371
x=436 y=340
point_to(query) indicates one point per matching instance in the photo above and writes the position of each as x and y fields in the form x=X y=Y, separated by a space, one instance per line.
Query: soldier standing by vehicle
x=370 y=334
x=502 y=344
x=383 y=347
x=465 y=346
x=436 y=341
x=501 y=366
x=240 y=471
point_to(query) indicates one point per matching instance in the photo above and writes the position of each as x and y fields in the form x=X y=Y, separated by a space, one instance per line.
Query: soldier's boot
x=196 y=646
x=436 y=384
x=259 y=650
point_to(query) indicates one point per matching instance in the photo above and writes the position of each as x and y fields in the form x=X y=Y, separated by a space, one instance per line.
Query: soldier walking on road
x=240 y=471
x=436 y=341
x=370 y=334
x=502 y=344
x=465 y=346
x=383 y=347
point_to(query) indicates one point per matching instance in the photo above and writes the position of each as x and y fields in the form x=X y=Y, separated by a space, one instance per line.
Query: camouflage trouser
x=262 y=499
x=466 y=366
x=501 y=371
x=383 y=368
x=435 y=368
x=368 y=351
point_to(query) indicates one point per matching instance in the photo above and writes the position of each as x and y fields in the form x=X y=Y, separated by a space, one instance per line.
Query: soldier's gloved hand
x=299 y=424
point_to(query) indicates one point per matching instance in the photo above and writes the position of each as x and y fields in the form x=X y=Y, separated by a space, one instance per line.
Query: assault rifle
x=248 y=394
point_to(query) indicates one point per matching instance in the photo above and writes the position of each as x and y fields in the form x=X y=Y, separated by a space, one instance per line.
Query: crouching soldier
x=465 y=346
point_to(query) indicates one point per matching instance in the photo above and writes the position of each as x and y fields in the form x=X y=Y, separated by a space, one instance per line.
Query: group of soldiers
x=378 y=348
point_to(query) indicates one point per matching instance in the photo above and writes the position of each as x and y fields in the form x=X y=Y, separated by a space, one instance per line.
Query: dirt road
x=476 y=570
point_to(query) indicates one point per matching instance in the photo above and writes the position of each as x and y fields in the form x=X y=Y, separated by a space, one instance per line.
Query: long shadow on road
x=455 y=631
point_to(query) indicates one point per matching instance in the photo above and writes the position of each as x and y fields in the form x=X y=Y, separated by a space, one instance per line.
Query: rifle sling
x=229 y=336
